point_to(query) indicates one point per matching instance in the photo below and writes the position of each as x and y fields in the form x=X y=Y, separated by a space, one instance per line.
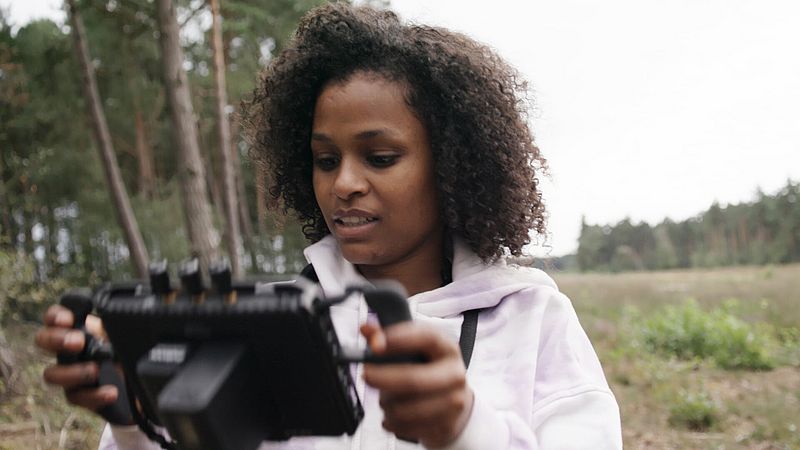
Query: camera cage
x=226 y=369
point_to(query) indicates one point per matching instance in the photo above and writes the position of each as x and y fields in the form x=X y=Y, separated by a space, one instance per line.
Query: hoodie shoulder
x=534 y=276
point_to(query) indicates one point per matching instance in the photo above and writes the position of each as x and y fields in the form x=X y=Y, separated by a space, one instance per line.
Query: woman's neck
x=418 y=272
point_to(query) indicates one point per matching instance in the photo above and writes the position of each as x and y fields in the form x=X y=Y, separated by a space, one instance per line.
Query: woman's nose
x=350 y=180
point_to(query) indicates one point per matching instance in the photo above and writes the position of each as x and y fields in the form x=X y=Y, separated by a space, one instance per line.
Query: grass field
x=667 y=401
x=672 y=403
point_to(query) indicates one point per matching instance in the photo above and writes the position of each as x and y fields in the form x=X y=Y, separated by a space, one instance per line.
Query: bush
x=686 y=332
x=789 y=350
x=22 y=296
x=694 y=411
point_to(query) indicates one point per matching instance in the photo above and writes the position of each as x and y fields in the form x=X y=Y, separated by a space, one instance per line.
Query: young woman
x=405 y=153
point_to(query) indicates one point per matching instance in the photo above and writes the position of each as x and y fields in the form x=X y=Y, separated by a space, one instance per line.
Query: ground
x=752 y=409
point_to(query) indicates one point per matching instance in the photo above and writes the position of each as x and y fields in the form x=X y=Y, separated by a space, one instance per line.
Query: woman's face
x=373 y=173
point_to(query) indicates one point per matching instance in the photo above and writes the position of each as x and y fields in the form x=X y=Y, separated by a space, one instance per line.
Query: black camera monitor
x=228 y=368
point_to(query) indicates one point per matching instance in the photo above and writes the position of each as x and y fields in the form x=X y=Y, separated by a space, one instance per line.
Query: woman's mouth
x=354 y=224
x=352 y=221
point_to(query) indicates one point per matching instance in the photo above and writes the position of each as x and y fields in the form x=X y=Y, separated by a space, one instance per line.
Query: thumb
x=376 y=339
x=95 y=327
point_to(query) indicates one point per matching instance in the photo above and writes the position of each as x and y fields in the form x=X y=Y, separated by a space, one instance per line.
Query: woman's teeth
x=353 y=221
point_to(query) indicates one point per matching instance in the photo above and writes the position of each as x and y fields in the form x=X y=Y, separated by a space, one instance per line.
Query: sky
x=21 y=12
x=644 y=109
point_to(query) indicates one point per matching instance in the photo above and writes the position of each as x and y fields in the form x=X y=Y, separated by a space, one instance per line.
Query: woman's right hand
x=79 y=379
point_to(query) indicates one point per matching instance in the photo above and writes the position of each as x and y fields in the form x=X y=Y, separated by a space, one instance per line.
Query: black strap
x=309 y=273
x=469 y=327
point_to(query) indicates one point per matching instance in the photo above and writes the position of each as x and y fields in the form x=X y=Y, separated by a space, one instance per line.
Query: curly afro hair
x=472 y=103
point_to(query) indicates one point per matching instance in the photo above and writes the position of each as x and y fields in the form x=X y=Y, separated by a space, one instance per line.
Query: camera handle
x=389 y=301
x=79 y=301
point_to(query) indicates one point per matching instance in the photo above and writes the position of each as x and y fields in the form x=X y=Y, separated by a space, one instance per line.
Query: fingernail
x=109 y=393
x=62 y=318
x=73 y=338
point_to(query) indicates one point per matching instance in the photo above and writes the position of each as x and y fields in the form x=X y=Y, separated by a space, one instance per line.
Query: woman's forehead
x=364 y=101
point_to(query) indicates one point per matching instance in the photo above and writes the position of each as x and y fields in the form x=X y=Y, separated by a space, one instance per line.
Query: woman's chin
x=360 y=254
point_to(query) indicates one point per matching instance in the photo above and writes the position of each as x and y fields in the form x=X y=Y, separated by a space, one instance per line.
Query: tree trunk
x=232 y=232
x=203 y=237
x=744 y=241
x=28 y=220
x=261 y=199
x=119 y=194
x=241 y=196
x=7 y=236
x=241 y=193
x=52 y=243
x=144 y=155
x=7 y=373
x=213 y=186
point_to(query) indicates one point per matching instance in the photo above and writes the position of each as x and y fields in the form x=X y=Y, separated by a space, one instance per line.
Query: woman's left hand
x=429 y=402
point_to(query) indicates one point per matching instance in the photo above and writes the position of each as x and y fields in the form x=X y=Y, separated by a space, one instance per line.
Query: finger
x=93 y=398
x=58 y=316
x=429 y=435
x=414 y=431
x=432 y=434
x=442 y=405
x=376 y=339
x=411 y=338
x=435 y=420
x=414 y=379
x=71 y=376
x=95 y=326
x=58 y=340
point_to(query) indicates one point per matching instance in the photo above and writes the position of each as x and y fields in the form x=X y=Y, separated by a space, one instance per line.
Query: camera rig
x=231 y=366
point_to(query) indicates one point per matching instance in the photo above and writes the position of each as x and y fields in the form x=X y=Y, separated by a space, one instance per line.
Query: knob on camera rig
x=231 y=366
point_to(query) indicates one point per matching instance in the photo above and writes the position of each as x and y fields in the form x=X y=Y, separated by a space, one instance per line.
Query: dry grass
x=757 y=410
x=777 y=287
x=37 y=416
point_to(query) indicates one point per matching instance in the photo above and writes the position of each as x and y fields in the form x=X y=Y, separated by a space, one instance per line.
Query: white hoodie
x=537 y=381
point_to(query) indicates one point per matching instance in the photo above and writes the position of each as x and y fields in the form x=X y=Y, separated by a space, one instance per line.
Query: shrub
x=686 y=332
x=22 y=296
x=694 y=411
x=789 y=350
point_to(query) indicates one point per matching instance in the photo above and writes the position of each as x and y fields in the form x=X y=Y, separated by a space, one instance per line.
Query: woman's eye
x=326 y=163
x=382 y=160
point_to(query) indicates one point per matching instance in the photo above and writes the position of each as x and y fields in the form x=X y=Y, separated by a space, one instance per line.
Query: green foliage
x=22 y=297
x=162 y=224
x=765 y=231
x=788 y=352
x=54 y=205
x=695 y=411
x=686 y=331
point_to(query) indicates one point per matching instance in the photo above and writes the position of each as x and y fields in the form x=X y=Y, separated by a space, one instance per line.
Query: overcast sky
x=645 y=109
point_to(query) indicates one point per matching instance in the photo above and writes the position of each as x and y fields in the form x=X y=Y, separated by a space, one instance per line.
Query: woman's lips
x=351 y=221
x=353 y=224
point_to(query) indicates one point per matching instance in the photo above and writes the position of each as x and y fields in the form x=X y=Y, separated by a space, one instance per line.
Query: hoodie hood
x=475 y=285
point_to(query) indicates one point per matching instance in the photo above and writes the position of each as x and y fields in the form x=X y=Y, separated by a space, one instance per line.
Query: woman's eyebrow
x=363 y=135
x=378 y=132
x=320 y=137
